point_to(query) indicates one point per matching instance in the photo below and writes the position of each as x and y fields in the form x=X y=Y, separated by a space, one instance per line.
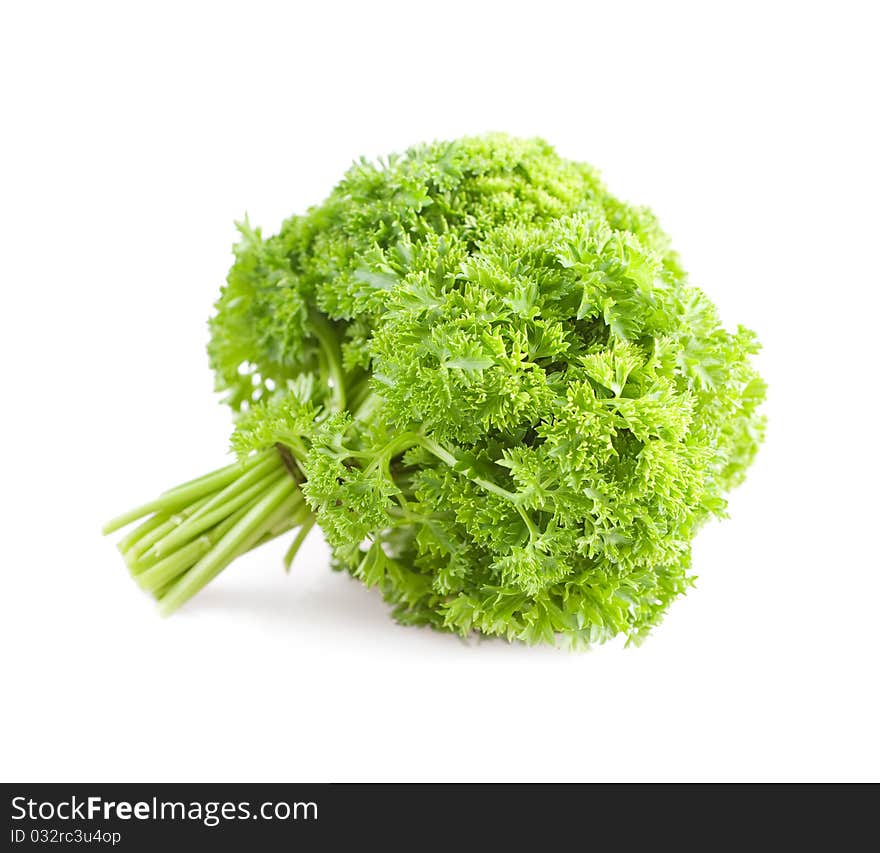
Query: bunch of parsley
x=491 y=385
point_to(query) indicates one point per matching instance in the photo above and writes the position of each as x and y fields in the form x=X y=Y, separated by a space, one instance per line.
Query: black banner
x=134 y=817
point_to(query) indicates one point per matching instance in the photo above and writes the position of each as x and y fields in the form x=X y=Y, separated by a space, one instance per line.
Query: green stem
x=169 y=523
x=304 y=530
x=397 y=445
x=166 y=570
x=195 y=530
x=534 y=533
x=213 y=512
x=362 y=401
x=445 y=456
x=145 y=527
x=330 y=347
x=246 y=532
x=289 y=515
x=180 y=496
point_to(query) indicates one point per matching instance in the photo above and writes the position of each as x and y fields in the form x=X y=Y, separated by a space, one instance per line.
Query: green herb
x=490 y=384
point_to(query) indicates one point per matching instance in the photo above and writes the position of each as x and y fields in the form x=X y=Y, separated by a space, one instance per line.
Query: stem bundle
x=194 y=531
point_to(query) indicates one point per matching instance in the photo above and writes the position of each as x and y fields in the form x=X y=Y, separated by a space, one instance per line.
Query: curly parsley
x=488 y=381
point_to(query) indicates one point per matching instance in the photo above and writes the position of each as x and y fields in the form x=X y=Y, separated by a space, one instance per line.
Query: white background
x=134 y=134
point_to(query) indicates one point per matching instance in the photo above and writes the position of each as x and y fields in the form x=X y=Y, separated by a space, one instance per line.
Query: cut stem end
x=194 y=531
